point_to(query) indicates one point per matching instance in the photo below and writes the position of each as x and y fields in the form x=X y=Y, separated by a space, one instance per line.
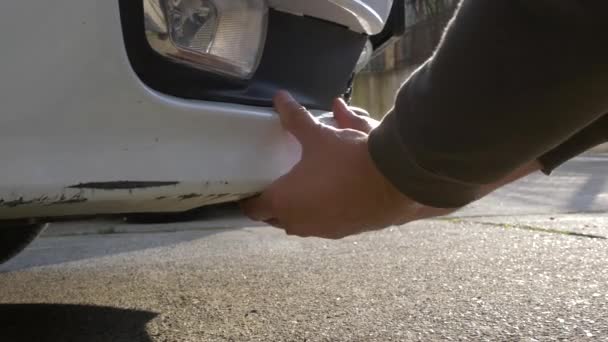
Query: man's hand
x=335 y=190
x=347 y=118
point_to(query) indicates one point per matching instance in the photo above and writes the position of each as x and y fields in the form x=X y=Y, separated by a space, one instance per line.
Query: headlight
x=221 y=36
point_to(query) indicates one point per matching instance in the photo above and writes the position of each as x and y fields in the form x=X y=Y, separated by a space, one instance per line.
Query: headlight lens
x=221 y=36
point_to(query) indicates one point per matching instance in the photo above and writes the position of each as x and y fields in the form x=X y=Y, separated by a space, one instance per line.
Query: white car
x=157 y=106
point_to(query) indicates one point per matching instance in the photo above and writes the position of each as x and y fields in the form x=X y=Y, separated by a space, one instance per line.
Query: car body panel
x=80 y=134
x=75 y=113
x=364 y=16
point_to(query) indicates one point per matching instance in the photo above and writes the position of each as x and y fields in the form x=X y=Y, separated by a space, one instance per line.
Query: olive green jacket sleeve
x=511 y=81
x=593 y=135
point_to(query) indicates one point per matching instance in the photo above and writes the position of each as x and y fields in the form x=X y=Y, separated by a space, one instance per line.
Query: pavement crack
x=467 y=217
x=529 y=228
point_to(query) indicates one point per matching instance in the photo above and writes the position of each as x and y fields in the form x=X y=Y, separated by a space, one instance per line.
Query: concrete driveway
x=528 y=263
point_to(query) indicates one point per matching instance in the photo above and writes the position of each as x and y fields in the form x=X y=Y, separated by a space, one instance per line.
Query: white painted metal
x=73 y=111
x=365 y=16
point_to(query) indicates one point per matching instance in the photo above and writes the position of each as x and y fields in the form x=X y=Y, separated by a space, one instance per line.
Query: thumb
x=295 y=118
x=347 y=119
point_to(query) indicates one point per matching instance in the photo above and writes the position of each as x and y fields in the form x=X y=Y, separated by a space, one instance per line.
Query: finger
x=360 y=112
x=346 y=118
x=295 y=118
x=341 y=114
x=258 y=208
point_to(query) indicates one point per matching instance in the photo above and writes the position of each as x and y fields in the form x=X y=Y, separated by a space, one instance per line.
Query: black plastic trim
x=394 y=28
x=313 y=59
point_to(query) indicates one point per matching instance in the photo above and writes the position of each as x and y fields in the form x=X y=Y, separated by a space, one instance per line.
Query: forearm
x=591 y=136
x=510 y=81
x=521 y=172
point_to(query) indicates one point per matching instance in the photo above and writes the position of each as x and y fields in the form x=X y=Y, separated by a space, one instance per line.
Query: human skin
x=350 y=197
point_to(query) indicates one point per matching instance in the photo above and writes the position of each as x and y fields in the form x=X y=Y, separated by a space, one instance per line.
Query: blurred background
x=425 y=20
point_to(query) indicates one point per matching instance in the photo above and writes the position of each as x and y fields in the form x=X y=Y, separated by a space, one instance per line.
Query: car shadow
x=62 y=248
x=49 y=251
x=76 y=323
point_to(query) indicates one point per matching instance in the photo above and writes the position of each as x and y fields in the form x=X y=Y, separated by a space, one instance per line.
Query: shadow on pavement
x=589 y=192
x=57 y=322
x=581 y=185
x=58 y=250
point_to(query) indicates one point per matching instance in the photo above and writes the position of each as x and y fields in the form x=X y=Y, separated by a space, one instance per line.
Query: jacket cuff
x=591 y=136
x=398 y=164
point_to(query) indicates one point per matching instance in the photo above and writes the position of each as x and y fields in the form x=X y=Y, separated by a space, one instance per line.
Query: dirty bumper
x=118 y=197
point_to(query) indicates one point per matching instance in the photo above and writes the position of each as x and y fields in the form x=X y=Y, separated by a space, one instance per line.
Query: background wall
x=376 y=86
